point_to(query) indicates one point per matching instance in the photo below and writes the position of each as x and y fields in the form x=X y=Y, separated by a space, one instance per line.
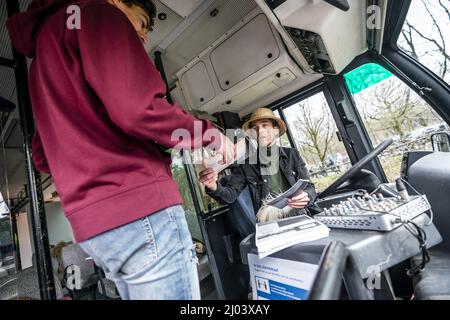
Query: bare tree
x=315 y=128
x=411 y=32
x=445 y=7
x=394 y=109
x=369 y=116
x=409 y=38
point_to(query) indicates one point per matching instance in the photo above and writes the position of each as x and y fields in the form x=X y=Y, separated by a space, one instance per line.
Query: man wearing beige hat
x=275 y=170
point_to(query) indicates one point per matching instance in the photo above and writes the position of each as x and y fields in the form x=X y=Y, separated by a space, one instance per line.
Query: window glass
x=314 y=132
x=8 y=275
x=390 y=109
x=426 y=35
x=7 y=262
x=179 y=174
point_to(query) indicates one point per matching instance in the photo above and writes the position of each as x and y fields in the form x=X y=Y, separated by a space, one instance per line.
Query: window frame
x=294 y=98
x=410 y=71
x=354 y=152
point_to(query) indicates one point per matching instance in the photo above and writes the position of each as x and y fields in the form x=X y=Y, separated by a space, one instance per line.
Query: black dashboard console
x=313 y=49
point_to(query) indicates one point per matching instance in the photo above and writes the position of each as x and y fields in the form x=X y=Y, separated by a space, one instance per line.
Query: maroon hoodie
x=100 y=114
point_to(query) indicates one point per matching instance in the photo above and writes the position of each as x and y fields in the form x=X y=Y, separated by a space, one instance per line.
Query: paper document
x=280 y=279
x=282 y=200
x=277 y=235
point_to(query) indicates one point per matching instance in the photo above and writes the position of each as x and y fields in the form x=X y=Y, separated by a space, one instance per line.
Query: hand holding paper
x=295 y=196
x=226 y=152
x=209 y=178
x=214 y=164
x=299 y=201
x=239 y=154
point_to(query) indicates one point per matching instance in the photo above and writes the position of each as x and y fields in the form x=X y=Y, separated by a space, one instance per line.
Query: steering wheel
x=356 y=167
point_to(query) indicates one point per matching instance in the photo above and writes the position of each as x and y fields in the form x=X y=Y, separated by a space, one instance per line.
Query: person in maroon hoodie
x=101 y=121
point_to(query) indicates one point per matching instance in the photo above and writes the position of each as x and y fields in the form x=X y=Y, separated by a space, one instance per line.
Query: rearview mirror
x=441 y=141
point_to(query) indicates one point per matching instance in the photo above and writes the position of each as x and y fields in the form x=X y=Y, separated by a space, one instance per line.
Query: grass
x=390 y=164
x=323 y=182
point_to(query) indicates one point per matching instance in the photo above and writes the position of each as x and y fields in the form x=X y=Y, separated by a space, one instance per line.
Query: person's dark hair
x=147 y=5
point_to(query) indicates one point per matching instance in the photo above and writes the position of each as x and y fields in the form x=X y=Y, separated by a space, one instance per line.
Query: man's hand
x=299 y=202
x=209 y=178
x=226 y=151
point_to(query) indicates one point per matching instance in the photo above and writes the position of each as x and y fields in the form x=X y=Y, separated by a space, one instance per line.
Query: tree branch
x=442 y=48
x=446 y=9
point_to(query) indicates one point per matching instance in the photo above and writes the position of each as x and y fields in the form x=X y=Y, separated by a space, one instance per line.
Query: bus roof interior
x=197 y=37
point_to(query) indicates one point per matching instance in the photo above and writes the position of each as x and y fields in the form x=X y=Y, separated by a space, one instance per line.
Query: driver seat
x=430 y=175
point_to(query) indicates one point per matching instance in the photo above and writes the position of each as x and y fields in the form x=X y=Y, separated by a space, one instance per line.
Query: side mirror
x=441 y=141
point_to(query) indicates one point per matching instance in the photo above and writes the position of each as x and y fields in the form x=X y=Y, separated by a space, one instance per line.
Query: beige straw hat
x=263 y=114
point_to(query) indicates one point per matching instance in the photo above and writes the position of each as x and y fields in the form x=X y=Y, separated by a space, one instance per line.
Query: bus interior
x=363 y=86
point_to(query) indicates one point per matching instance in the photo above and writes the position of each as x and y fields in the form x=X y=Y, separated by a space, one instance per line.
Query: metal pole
x=327 y=285
x=38 y=219
x=159 y=65
x=354 y=284
x=15 y=240
x=288 y=130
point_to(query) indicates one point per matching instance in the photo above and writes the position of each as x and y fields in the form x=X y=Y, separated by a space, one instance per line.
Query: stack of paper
x=274 y=236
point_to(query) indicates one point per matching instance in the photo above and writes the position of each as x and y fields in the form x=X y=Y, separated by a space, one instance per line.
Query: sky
x=419 y=17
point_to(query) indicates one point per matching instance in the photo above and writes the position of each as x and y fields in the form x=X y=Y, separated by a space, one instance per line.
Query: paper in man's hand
x=282 y=200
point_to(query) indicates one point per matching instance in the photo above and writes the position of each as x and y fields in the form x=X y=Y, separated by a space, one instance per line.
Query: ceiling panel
x=204 y=31
x=183 y=8
x=162 y=27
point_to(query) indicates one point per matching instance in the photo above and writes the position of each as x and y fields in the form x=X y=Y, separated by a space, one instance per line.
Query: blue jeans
x=149 y=259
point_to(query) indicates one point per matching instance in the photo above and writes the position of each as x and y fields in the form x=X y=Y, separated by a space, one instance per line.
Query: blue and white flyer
x=280 y=279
